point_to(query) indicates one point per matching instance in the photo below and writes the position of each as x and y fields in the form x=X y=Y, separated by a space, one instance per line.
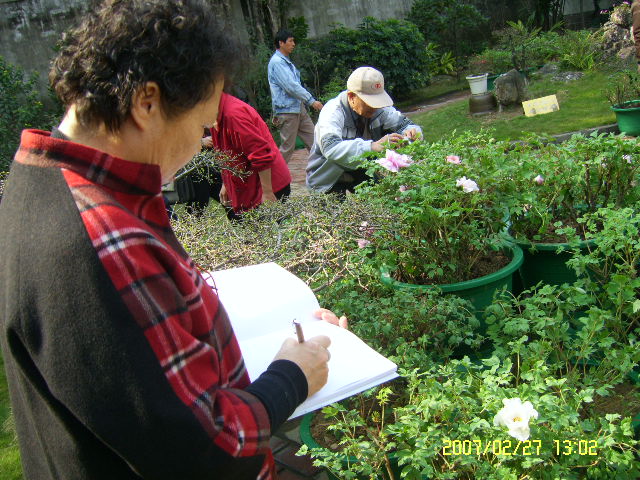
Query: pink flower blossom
x=366 y=229
x=539 y=179
x=403 y=188
x=467 y=185
x=363 y=243
x=455 y=159
x=394 y=161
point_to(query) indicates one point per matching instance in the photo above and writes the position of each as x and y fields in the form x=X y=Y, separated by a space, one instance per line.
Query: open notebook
x=263 y=300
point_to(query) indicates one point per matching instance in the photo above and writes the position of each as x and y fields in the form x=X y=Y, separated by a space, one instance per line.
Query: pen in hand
x=298 y=331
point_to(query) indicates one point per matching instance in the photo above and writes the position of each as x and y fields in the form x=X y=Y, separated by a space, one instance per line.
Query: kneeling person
x=359 y=120
x=241 y=133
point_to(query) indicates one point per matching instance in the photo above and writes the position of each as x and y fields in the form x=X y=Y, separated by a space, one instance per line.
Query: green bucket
x=628 y=118
x=479 y=291
x=547 y=263
x=309 y=441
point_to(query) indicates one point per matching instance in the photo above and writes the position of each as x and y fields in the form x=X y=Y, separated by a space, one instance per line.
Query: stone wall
x=30 y=29
x=321 y=15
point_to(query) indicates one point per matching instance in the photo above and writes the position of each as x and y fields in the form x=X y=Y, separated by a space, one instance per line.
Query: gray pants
x=292 y=125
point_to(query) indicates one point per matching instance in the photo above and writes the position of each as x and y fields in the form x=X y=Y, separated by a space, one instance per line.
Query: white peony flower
x=515 y=416
x=467 y=185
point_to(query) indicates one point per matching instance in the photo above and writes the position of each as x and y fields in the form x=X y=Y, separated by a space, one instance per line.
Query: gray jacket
x=336 y=146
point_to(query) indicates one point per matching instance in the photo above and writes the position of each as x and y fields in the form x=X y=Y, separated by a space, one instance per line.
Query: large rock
x=510 y=88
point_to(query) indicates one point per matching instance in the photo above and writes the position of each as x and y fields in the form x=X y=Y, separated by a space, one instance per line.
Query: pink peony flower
x=539 y=179
x=366 y=229
x=455 y=159
x=363 y=243
x=403 y=188
x=467 y=185
x=394 y=161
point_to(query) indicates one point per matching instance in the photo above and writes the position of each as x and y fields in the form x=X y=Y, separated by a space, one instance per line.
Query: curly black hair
x=123 y=44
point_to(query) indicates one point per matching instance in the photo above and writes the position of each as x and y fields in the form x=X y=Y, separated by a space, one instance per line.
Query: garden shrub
x=411 y=327
x=579 y=50
x=458 y=27
x=395 y=47
x=491 y=61
x=20 y=108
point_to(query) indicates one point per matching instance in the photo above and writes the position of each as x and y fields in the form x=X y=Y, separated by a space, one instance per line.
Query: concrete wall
x=320 y=15
x=30 y=29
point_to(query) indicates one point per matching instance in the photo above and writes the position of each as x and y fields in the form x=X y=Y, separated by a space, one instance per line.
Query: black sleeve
x=283 y=377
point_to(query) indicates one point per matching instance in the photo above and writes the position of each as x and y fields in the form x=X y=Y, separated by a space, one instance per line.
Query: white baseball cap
x=368 y=84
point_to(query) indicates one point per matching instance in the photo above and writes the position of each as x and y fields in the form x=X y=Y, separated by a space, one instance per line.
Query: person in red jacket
x=241 y=133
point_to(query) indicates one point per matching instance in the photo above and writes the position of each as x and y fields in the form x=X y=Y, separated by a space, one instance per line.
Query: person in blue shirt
x=289 y=99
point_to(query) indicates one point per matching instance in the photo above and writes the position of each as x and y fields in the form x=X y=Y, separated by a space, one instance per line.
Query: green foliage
x=446 y=231
x=458 y=27
x=609 y=269
x=394 y=47
x=623 y=89
x=20 y=108
x=253 y=79
x=579 y=50
x=490 y=61
x=558 y=183
x=517 y=38
x=410 y=327
x=441 y=426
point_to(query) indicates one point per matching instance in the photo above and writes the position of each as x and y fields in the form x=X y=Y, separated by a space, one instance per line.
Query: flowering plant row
x=457 y=197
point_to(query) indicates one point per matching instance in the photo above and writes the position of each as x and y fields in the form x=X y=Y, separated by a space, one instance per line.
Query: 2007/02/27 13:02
x=517 y=447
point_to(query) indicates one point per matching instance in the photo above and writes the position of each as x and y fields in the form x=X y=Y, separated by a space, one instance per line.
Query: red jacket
x=243 y=134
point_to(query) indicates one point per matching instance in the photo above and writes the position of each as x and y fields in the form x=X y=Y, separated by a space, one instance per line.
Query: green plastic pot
x=544 y=262
x=309 y=441
x=479 y=291
x=628 y=118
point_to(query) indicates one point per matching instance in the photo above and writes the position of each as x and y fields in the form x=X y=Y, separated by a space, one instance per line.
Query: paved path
x=297 y=166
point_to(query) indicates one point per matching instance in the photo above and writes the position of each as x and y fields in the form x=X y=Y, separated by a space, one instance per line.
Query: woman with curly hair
x=121 y=361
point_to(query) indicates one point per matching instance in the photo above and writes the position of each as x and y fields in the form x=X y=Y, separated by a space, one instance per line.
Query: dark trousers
x=348 y=181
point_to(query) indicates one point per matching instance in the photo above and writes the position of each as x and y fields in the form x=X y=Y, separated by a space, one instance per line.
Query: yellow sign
x=541 y=105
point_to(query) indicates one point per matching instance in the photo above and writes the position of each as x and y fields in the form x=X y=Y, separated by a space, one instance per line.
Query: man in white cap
x=359 y=120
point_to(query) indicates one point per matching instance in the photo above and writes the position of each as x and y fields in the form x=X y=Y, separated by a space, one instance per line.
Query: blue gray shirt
x=287 y=93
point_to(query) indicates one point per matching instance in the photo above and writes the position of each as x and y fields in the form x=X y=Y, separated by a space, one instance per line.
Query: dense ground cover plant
x=448 y=424
x=315 y=236
x=410 y=327
x=609 y=269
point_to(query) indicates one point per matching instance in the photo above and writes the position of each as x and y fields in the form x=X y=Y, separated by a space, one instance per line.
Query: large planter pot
x=478 y=83
x=309 y=441
x=479 y=291
x=547 y=263
x=628 y=118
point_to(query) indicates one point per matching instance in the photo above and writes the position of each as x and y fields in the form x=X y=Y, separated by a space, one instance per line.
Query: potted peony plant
x=556 y=184
x=623 y=93
x=451 y=198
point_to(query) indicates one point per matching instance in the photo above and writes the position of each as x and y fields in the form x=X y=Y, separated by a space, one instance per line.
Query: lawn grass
x=582 y=105
x=10 y=468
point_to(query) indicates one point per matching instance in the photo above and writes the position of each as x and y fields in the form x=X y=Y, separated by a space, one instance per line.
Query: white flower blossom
x=515 y=415
x=467 y=185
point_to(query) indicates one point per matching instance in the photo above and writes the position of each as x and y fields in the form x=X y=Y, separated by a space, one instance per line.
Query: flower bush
x=557 y=184
x=444 y=428
x=452 y=200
